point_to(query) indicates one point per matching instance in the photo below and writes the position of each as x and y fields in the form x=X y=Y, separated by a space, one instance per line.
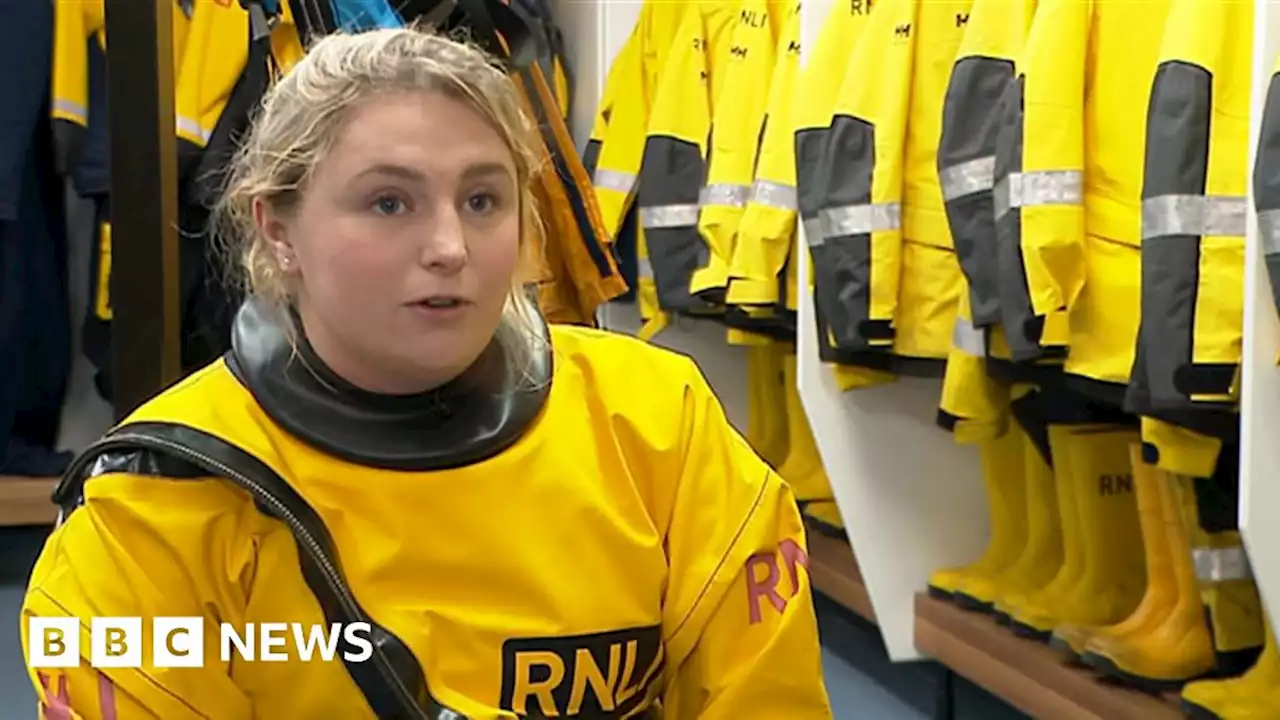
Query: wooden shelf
x=835 y=573
x=27 y=501
x=1028 y=675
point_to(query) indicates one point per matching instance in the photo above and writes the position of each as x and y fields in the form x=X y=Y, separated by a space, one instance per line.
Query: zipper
x=133 y=441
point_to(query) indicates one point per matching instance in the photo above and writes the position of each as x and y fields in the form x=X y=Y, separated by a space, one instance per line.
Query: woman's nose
x=444 y=245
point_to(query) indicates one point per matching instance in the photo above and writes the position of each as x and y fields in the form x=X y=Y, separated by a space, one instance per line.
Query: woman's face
x=405 y=241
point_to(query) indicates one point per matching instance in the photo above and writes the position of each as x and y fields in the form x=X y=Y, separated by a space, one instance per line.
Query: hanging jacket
x=675 y=151
x=1049 y=166
x=1194 y=214
x=76 y=22
x=820 y=82
x=857 y=252
x=983 y=71
x=625 y=239
x=768 y=223
x=634 y=80
x=974 y=404
x=737 y=121
x=583 y=273
x=1266 y=184
x=218 y=49
x=630 y=89
x=931 y=281
x=77 y=25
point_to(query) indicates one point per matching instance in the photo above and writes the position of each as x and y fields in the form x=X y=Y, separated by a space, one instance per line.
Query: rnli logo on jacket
x=860 y=7
x=602 y=675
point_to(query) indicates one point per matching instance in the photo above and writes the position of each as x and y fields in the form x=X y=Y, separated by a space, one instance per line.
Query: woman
x=535 y=521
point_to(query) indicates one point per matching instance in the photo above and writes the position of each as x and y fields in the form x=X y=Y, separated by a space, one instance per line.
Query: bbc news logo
x=177 y=642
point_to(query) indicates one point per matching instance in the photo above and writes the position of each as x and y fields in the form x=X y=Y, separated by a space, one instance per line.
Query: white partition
x=911 y=499
x=1260 y=405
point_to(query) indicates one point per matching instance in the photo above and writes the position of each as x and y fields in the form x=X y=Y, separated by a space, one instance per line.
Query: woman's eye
x=482 y=203
x=388 y=205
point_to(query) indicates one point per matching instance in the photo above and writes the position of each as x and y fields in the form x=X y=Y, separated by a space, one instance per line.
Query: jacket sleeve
x=617 y=167
x=675 y=150
x=1266 y=184
x=142 y=546
x=861 y=182
x=769 y=220
x=216 y=52
x=738 y=617
x=1194 y=206
x=983 y=70
x=1049 y=191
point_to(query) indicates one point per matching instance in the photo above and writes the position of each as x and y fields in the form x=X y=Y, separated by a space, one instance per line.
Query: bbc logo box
x=116 y=642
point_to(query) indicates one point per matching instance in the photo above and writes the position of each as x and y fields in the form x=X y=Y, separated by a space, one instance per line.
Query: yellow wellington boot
x=1252 y=696
x=1033 y=615
x=1162 y=589
x=1111 y=575
x=972 y=586
x=766 y=403
x=1177 y=649
x=1041 y=557
x=802 y=468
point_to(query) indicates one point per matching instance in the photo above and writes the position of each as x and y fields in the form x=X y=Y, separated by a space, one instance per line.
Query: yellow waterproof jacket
x=1194 y=214
x=857 y=251
x=1077 y=195
x=633 y=82
x=974 y=404
x=630 y=548
x=1266 y=183
x=931 y=281
x=579 y=273
x=75 y=23
x=218 y=48
x=629 y=95
x=675 y=152
x=737 y=121
x=820 y=83
x=768 y=222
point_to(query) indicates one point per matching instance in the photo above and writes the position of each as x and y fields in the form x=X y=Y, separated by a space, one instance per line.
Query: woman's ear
x=274 y=229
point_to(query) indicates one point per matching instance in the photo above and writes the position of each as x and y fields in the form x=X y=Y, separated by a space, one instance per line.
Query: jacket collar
x=470 y=419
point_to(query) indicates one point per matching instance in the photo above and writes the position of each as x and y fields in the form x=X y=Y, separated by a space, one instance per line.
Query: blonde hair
x=302 y=116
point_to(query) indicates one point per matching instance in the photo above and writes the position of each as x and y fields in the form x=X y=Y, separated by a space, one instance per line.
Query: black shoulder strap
x=391 y=679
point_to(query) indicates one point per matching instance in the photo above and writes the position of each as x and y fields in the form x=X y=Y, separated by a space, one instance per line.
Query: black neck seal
x=470 y=419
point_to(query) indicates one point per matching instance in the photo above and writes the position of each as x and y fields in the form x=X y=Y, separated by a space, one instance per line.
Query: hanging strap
x=391 y=680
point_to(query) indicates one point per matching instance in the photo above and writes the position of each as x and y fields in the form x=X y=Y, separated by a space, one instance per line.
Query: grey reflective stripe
x=1269 y=231
x=71 y=108
x=669 y=216
x=622 y=182
x=1221 y=564
x=860 y=219
x=1166 y=215
x=644 y=270
x=775 y=195
x=968 y=339
x=1046 y=187
x=192 y=127
x=813 y=236
x=724 y=194
x=968 y=178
